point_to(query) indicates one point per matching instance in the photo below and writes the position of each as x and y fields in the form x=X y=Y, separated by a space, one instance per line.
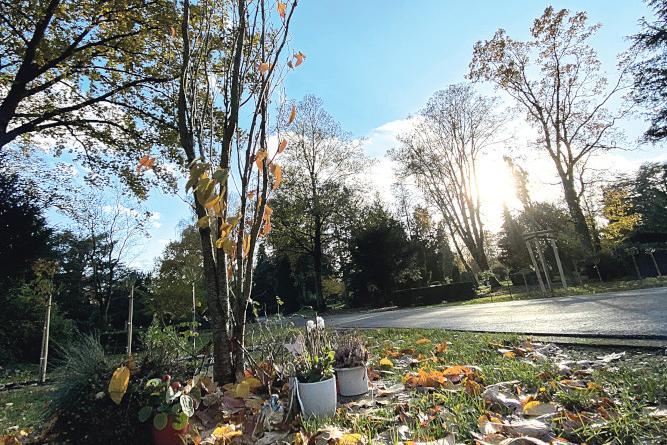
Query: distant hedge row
x=422 y=296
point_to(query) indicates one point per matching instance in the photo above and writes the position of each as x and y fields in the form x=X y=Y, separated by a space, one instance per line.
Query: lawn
x=582 y=398
x=589 y=288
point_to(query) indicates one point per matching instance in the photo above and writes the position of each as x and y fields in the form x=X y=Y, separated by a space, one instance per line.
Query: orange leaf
x=441 y=347
x=246 y=245
x=423 y=341
x=277 y=175
x=299 y=58
x=267 y=220
x=259 y=157
x=251 y=195
x=292 y=115
x=282 y=146
x=264 y=67
x=282 y=8
x=145 y=162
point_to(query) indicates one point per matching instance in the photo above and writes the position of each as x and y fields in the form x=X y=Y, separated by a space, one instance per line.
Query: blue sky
x=376 y=62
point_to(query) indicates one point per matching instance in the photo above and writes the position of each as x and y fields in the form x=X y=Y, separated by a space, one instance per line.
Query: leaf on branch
x=282 y=146
x=202 y=222
x=267 y=220
x=251 y=195
x=146 y=162
x=264 y=67
x=300 y=57
x=246 y=245
x=282 y=9
x=292 y=115
x=212 y=202
x=259 y=158
x=277 y=175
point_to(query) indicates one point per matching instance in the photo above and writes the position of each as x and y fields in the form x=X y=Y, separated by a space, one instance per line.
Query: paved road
x=639 y=314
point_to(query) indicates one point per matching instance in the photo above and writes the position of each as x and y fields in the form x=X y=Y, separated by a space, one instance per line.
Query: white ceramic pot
x=352 y=381
x=317 y=399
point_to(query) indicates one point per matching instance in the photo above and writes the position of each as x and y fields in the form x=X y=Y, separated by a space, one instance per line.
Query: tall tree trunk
x=577 y=214
x=317 y=265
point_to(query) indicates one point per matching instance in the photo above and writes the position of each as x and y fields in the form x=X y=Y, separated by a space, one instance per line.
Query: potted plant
x=350 y=365
x=170 y=406
x=313 y=371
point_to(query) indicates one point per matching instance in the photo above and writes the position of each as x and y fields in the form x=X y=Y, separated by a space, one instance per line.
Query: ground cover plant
x=427 y=386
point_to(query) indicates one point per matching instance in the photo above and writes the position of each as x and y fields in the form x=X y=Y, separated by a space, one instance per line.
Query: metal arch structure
x=532 y=240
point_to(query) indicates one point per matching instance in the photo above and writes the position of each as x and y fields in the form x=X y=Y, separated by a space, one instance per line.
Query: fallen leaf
x=118 y=384
x=423 y=341
x=386 y=363
x=536 y=409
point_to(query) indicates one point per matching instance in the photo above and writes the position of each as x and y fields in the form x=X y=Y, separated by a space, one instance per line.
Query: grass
x=635 y=383
x=589 y=288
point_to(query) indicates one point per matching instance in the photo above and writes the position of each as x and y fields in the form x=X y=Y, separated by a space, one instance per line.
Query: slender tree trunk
x=577 y=214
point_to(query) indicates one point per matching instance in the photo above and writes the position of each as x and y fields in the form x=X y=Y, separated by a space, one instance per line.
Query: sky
x=376 y=62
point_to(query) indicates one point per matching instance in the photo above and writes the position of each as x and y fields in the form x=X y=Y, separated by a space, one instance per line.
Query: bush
x=434 y=294
x=81 y=409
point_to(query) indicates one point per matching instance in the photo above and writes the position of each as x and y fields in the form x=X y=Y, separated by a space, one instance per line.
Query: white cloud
x=154 y=219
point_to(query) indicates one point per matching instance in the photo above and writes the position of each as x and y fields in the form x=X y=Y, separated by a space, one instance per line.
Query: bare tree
x=320 y=169
x=556 y=78
x=230 y=64
x=441 y=153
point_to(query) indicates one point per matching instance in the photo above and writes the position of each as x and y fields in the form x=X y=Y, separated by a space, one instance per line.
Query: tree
x=617 y=210
x=316 y=203
x=649 y=70
x=85 y=71
x=649 y=197
x=226 y=80
x=177 y=271
x=442 y=153
x=381 y=258
x=556 y=78
x=513 y=251
x=24 y=236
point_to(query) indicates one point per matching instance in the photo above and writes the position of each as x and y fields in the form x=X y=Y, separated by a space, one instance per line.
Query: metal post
x=194 y=317
x=130 y=315
x=537 y=269
x=544 y=265
x=44 y=357
x=558 y=263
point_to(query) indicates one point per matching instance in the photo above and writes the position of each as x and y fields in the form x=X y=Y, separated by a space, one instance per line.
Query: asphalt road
x=629 y=314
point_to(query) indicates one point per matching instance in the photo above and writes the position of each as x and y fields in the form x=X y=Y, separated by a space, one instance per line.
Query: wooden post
x=544 y=265
x=44 y=356
x=130 y=316
x=194 y=317
x=558 y=263
x=537 y=268
x=634 y=262
x=655 y=263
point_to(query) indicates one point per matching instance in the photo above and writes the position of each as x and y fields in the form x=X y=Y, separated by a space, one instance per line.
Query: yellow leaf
x=277 y=175
x=535 y=408
x=267 y=220
x=253 y=383
x=441 y=347
x=226 y=432
x=509 y=354
x=423 y=341
x=282 y=146
x=282 y=8
x=386 y=363
x=292 y=115
x=259 y=158
x=118 y=384
x=212 y=202
x=202 y=222
x=246 y=245
x=351 y=439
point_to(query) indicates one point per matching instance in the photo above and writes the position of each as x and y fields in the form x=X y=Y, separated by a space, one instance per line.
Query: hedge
x=422 y=296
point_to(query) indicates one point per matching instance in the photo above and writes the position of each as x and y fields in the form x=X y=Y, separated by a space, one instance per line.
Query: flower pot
x=317 y=399
x=352 y=381
x=168 y=435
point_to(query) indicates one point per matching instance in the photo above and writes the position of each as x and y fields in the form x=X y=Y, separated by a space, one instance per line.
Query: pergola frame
x=532 y=239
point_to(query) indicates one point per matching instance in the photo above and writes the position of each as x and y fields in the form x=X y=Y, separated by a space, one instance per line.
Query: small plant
x=313 y=353
x=169 y=398
x=351 y=353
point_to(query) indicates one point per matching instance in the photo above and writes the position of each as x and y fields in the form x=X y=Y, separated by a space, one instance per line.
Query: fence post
x=130 y=316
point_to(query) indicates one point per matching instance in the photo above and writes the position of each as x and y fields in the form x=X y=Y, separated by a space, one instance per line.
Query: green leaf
x=180 y=421
x=160 y=421
x=153 y=382
x=202 y=222
x=221 y=175
x=144 y=413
